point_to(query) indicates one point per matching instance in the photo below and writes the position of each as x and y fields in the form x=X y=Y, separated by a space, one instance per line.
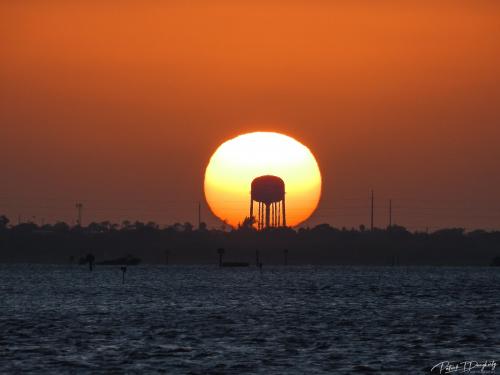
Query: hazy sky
x=120 y=104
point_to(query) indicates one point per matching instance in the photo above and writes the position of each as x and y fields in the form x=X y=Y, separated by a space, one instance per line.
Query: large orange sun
x=238 y=161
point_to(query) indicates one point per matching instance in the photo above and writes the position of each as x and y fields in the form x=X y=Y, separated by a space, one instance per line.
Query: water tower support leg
x=267 y=215
x=284 y=212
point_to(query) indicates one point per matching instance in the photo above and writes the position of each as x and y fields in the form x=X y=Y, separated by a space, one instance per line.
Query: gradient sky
x=120 y=104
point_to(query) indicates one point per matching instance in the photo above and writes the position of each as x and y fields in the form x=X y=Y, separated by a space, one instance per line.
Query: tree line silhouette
x=182 y=243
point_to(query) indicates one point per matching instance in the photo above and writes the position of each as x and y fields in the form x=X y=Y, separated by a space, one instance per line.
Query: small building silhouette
x=269 y=192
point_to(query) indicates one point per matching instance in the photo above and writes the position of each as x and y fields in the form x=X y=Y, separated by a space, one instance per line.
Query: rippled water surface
x=205 y=320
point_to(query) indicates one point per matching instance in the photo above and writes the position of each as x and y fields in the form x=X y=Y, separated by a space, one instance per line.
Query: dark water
x=204 y=320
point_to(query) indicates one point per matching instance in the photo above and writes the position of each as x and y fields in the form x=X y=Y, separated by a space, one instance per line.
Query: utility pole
x=371 y=218
x=199 y=215
x=79 y=208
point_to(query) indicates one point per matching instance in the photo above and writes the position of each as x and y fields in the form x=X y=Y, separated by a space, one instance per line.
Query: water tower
x=269 y=193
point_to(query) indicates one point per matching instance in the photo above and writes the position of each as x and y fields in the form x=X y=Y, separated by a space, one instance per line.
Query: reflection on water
x=202 y=320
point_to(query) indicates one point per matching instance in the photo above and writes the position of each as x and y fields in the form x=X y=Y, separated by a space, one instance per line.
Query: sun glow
x=238 y=161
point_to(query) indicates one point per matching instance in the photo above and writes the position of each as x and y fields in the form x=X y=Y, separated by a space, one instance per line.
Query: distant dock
x=235 y=264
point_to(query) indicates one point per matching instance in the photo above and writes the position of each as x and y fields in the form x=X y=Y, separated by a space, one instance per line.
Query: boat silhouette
x=128 y=260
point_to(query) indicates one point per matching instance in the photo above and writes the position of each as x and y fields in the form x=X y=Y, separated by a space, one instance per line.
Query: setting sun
x=238 y=161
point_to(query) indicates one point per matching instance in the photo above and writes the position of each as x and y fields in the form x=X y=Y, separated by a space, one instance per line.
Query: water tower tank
x=269 y=192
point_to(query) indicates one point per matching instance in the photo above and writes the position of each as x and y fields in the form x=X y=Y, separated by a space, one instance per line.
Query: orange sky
x=120 y=104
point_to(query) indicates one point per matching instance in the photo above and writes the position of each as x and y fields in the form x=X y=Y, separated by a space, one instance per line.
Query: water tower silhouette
x=269 y=193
